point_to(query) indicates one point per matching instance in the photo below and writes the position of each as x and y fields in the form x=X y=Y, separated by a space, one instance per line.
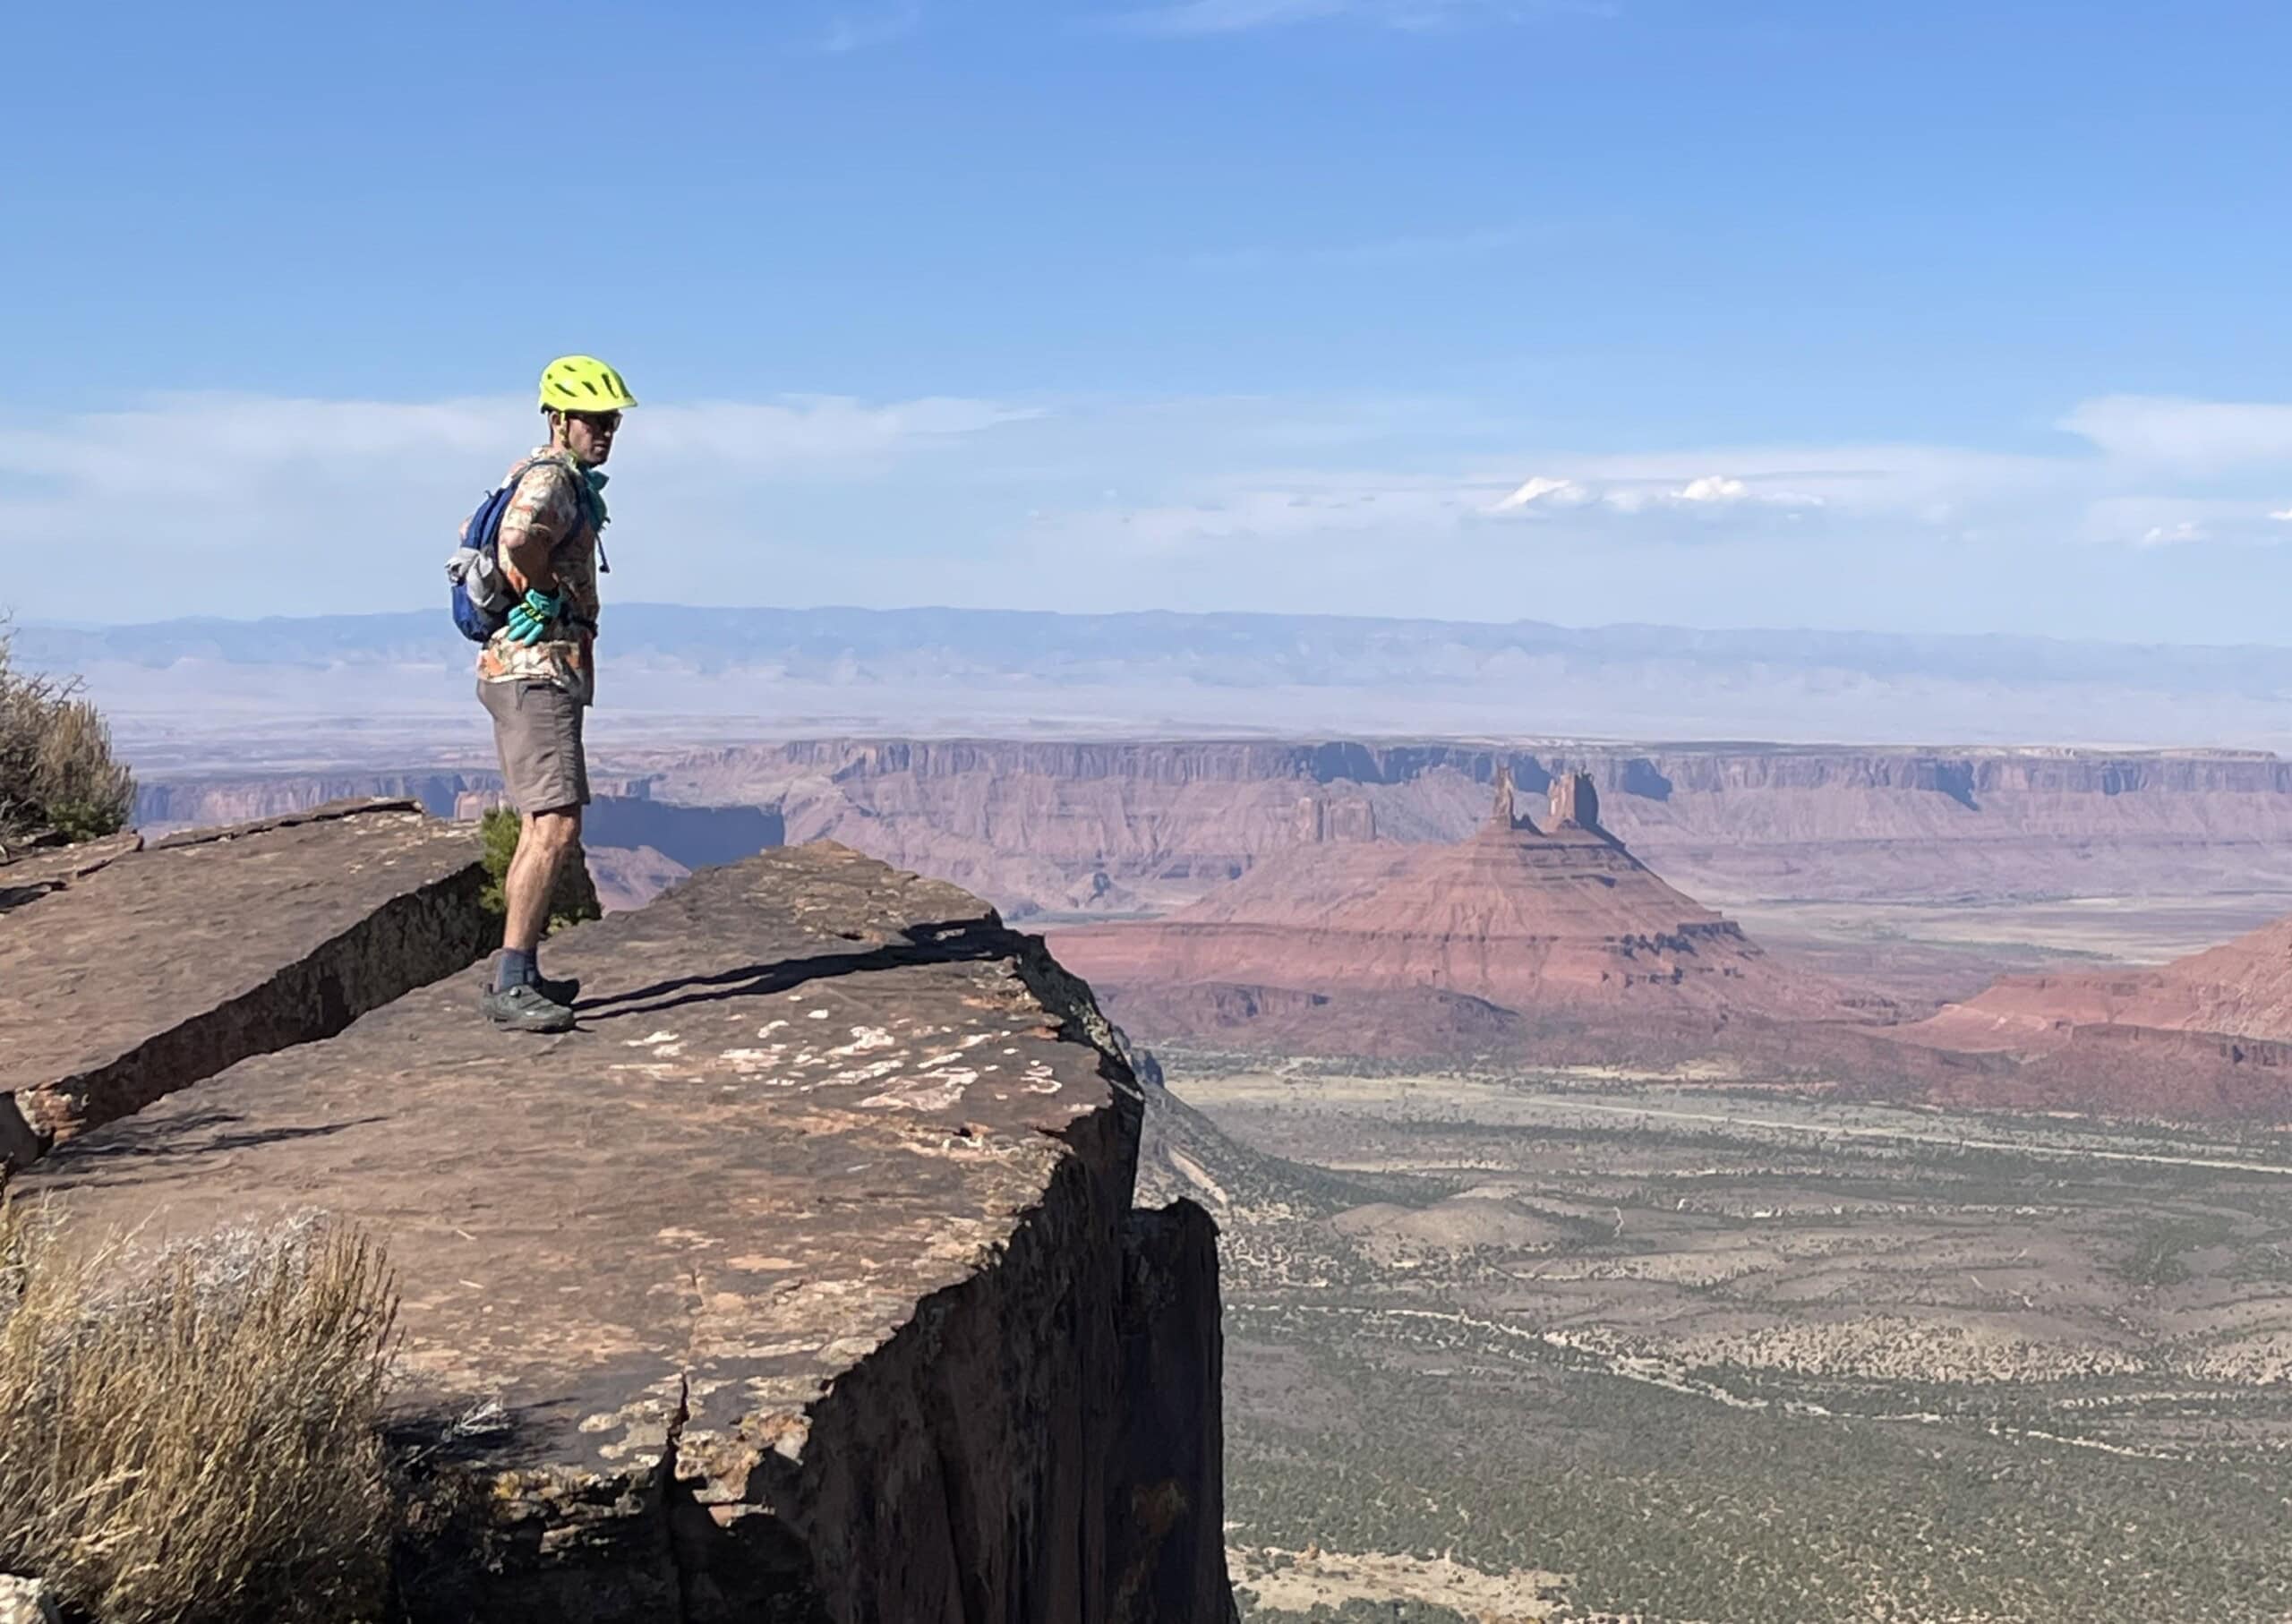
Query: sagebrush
x=194 y=1434
x=57 y=773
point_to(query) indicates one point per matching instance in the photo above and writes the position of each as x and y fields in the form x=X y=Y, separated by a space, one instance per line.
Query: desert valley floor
x=1563 y=1345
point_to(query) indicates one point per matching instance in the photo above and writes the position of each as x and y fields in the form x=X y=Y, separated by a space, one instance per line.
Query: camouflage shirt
x=552 y=507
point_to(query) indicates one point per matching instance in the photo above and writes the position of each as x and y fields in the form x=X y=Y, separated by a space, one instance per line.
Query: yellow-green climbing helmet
x=583 y=383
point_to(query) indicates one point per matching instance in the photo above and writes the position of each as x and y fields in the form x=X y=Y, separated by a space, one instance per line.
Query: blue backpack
x=483 y=596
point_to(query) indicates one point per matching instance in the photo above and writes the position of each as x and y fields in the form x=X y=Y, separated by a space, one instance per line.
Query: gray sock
x=514 y=968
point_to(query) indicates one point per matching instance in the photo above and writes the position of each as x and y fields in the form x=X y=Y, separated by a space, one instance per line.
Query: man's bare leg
x=543 y=844
x=520 y=998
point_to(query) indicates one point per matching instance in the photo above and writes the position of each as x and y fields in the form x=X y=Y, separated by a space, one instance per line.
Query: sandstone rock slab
x=800 y=1282
x=29 y=874
x=128 y=973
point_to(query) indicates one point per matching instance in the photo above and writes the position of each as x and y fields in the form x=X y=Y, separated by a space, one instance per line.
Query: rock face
x=627 y=879
x=133 y=972
x=2210 y=1035
x=1166 y=1547
x=1525 y=920
x=1125 y=826
x=2242 y=989
x=801 y=1282
x=1575 y=802
x=1319 y=819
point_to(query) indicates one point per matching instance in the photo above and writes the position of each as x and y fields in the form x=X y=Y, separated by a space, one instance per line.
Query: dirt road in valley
x=1948 y=1142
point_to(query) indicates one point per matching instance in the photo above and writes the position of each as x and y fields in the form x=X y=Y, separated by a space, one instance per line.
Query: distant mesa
x=2240 y=989
x=2208 y=1035
x=1052 y=827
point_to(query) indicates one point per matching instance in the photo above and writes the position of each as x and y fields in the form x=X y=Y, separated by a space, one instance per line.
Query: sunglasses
x=606 y=421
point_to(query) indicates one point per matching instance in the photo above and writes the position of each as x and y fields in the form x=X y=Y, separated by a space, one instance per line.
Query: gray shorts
x=537 y=728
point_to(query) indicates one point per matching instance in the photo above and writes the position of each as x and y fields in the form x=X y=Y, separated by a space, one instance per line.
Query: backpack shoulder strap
x=585 y=500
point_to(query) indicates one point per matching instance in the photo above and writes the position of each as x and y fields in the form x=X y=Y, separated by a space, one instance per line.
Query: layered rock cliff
x=2208 y=1035
x=1084 y=827
x=2240 y=989
x=1153 y=825
x=801 y=1282
x=128 y=971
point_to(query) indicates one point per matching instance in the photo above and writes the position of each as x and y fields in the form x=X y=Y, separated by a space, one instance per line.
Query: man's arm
x=541 y=515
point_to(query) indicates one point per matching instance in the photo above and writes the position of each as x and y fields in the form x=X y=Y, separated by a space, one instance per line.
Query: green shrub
x=576 y=899
x=58 y=776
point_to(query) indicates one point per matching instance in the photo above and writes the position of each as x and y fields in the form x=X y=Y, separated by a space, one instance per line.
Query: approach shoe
x=525 y=1008
x=566 y=991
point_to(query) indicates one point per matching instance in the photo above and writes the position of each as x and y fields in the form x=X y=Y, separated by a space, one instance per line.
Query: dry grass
x=57 y=772
x=191 y=1435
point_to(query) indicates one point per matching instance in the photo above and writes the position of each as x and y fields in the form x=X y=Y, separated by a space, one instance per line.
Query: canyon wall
x=1121 y=827
x=1110 y=828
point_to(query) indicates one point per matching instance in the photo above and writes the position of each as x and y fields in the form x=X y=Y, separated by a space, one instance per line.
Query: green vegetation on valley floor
x=1993 y=1369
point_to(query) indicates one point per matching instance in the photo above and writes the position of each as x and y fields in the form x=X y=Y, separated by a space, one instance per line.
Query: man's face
x=588 y=435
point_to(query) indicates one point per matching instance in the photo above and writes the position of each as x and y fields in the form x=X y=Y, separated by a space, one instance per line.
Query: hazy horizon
x=429 y=614
x=705 y=675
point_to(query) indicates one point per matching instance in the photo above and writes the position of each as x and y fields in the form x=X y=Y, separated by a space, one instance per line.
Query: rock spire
x=1504 y=817
x=1575 y=802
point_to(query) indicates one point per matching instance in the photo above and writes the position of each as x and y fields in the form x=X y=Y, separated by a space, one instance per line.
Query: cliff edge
x=801 y=1282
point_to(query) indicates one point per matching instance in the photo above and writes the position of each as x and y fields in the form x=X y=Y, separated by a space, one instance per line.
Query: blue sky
x=1948 y=317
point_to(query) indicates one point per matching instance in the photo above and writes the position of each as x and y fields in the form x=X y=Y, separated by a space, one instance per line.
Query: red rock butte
x=2241 y=989
x=2205 y=1036
x=1522 y=917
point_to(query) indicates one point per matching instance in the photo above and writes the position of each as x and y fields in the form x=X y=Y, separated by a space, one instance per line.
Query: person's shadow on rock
x=949 y=942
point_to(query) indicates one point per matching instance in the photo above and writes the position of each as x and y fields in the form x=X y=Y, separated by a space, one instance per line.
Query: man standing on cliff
x=537 y=675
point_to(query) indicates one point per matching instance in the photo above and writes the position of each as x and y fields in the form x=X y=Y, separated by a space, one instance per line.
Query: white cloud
x=194 y=446
x=241 y=505
x=807 y=431
x=1715 y=488
x=2166 y=431
x=1552 y=492
x=231 y=504
x=1642 y=494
